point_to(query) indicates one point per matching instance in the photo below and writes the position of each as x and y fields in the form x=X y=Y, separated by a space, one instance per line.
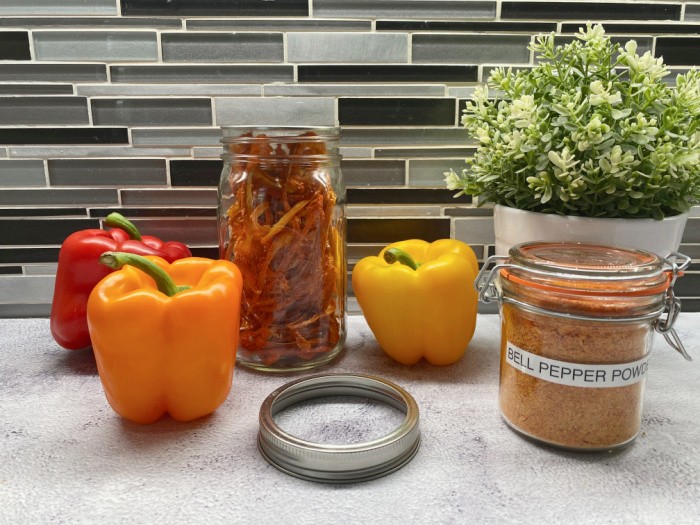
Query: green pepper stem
x=117 y=220
x=164 y=282
x=396 y=254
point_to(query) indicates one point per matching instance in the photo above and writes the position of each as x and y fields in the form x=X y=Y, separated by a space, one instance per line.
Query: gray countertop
x=66 y=457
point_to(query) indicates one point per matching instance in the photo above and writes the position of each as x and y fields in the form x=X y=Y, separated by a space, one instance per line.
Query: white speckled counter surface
x=66 y=457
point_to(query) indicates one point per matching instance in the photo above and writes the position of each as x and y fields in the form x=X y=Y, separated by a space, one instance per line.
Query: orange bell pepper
x=165 y=335
x=419 y=299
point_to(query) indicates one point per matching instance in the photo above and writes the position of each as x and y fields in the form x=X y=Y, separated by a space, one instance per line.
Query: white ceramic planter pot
x=513 y=226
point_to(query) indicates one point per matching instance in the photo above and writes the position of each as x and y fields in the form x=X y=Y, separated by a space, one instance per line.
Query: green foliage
x=591 y=130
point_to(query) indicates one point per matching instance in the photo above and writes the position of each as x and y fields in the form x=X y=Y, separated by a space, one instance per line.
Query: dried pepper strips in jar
x=285 y=230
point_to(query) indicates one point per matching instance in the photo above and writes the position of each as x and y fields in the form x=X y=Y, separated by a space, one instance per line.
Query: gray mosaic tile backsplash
x=116 y=105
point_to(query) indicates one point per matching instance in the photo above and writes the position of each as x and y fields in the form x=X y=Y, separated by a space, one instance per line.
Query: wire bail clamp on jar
x=664 y=317
x=485 y=282
x=672 y=305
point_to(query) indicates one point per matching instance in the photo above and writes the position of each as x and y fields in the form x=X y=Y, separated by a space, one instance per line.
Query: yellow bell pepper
x=419 y=299
x=165 y=335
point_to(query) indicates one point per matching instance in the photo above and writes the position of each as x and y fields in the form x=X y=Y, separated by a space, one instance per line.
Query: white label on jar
x=576 y=374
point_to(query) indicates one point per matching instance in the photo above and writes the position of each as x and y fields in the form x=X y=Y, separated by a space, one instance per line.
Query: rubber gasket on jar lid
x=344 y=463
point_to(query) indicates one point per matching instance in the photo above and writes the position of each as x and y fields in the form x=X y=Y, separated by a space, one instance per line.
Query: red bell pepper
x=79 y=270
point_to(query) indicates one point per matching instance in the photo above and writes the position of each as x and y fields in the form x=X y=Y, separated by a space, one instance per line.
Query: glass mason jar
x=577 y=327
x=282 y=221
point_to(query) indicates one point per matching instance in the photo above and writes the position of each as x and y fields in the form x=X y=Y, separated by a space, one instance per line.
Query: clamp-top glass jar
x=282 y=221
x=577 y=327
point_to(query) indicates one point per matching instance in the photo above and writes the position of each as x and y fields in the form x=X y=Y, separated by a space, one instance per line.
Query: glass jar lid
x=583 y=268
x=586 y=259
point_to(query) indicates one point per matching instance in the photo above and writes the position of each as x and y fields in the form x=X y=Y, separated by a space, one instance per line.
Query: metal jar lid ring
x=344 y=463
